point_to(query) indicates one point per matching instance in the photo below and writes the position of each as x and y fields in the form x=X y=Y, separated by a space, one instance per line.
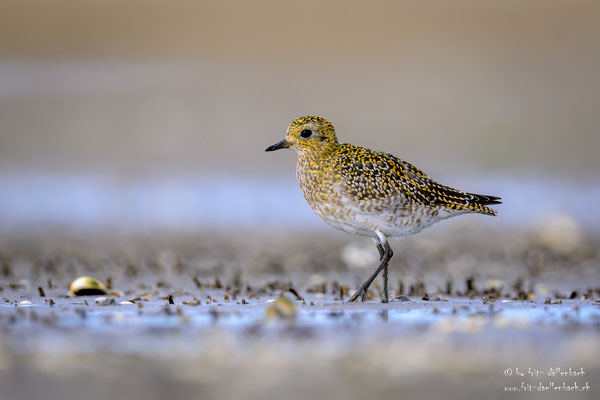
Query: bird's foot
x=361 y=292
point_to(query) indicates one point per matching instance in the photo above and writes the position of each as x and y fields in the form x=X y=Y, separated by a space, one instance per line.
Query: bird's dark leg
x=383 y=263
x=385 y=298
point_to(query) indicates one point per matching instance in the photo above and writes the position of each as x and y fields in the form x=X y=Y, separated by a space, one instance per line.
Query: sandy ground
x=494 y=314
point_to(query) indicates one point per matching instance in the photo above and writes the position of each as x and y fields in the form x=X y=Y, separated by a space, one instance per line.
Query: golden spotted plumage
x=369 y=192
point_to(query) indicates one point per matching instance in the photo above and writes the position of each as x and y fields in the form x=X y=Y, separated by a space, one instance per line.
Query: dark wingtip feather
x=486 y=199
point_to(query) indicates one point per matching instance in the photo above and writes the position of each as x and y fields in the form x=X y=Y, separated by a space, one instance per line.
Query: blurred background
x=132 y=137
x=145 y=114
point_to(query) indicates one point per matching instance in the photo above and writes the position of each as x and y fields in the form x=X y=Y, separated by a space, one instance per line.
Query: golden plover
x=370 y=193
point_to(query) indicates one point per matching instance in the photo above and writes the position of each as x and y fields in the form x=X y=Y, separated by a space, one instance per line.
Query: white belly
x=392 y=222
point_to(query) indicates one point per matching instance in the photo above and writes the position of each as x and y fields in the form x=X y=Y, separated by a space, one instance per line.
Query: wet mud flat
x=494 y=315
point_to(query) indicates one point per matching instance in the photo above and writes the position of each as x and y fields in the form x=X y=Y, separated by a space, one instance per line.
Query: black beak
x=279 y=145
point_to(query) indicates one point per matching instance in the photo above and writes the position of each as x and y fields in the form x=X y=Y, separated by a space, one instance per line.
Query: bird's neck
x=316 y=156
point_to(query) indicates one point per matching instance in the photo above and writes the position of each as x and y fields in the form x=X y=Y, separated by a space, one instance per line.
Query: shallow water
x=420 y=347
x=72 y=326
x=475 y=326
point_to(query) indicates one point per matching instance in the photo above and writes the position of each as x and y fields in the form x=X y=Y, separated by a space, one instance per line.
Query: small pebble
x=105 y=301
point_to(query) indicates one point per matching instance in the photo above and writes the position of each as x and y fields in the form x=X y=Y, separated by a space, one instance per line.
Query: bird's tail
x=479 y=202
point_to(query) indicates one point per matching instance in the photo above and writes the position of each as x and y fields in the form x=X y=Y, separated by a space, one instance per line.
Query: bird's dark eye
x=306 y=133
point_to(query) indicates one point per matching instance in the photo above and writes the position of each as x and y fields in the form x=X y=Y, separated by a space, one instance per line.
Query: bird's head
x=308 y=135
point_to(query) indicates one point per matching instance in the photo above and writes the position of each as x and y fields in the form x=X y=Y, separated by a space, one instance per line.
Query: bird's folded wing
x=368 y=174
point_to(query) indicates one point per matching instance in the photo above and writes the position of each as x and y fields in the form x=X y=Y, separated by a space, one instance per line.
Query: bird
x=370 y=193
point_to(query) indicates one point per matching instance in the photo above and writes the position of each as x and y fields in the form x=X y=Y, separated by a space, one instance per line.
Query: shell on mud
x=282 y=308
x=87 y=286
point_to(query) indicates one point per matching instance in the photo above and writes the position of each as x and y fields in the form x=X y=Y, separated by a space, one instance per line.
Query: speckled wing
x=369 y=176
